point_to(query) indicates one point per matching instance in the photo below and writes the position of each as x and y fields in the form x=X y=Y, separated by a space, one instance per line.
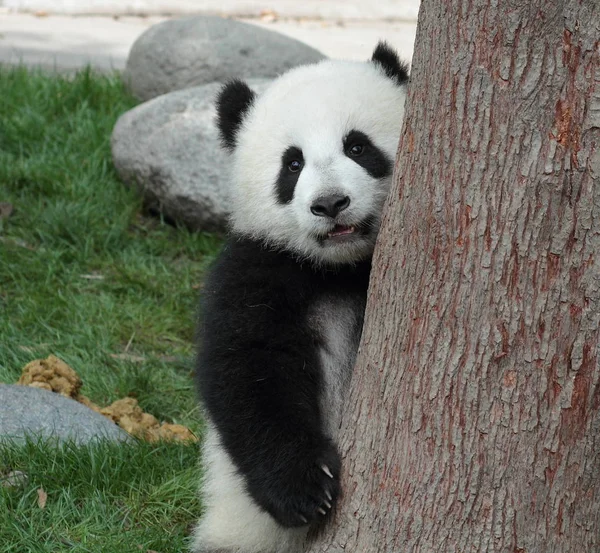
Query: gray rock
x=14 y=479
x=40 y=413
x=182 y=53
x=169 y=148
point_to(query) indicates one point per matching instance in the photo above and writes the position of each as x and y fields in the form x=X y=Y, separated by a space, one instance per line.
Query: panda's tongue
x=340 y=230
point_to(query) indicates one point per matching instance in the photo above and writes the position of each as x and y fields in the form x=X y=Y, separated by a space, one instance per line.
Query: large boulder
x=170 y=150
x=182 y=53
x=27 y=411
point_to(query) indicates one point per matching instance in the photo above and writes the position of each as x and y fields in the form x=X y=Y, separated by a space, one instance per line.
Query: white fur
x=231 y=521
x=314 y=107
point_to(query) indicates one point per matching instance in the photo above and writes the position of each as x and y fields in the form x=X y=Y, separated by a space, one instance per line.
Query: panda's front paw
x=307 y=489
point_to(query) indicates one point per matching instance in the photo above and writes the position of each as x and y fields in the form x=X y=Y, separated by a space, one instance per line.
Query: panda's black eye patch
x=360 y=149
x=292 y=163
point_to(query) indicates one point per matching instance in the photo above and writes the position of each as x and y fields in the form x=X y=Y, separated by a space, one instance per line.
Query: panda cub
x=312 y=160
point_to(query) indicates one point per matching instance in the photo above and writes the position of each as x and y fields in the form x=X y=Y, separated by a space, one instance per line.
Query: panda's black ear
x=233 y=101
x=386 y=57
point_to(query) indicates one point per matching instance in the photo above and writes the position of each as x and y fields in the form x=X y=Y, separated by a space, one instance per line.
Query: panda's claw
x=305 y=490
x=326 y=470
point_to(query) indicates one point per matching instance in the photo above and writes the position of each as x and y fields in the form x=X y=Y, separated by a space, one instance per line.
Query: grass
x=101 y=499
x=86 y=276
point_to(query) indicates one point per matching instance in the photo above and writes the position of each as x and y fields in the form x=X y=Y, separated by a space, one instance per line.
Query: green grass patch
x=86 y=276
x=105 y=498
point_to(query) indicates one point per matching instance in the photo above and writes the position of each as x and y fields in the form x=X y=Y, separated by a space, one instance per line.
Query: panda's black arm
x=260 y=381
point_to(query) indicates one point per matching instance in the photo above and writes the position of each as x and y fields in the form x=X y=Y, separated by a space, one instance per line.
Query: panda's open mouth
x=340 y=231
x=341 y=234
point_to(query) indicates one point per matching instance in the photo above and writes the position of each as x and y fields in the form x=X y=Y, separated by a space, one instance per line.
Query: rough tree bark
x=473 y=422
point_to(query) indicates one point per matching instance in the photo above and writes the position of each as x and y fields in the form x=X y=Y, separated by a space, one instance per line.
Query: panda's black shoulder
x=251 y=266
x=247 y=269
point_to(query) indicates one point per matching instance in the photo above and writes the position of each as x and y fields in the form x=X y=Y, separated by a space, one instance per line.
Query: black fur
x=388 y=59
x=260 y=377
x=287 y=179
x=371 y=158
x=233 y=101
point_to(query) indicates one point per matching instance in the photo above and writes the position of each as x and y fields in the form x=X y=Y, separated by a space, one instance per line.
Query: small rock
x=169 y=148
x=14 y=479
x=187 y=52
x=27 y=411
x=6 y=210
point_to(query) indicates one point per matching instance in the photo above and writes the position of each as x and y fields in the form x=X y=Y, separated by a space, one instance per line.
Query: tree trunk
x=474 y=414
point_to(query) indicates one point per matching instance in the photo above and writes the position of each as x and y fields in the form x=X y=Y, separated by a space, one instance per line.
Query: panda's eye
x=292 y=163
x=294 y=166
x=356 y=149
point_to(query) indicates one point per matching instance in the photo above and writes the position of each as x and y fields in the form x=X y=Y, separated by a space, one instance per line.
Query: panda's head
x=312 y=156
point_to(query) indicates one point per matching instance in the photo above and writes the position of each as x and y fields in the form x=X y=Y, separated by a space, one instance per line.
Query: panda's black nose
x=329 y=206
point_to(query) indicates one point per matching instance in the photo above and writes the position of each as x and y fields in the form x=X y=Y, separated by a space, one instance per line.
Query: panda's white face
x=313 y=159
